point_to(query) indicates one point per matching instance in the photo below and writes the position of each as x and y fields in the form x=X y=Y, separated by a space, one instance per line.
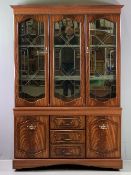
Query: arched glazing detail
x=31 y=60
x=67 y=59
x=102 y=59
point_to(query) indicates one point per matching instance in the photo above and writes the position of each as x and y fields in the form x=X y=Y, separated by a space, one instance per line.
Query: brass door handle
x=87 y=49
x=46 y=49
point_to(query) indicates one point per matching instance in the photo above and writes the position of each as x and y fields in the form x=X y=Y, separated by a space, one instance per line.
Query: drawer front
x=67 y=151
x=67 y=122
x=58 y=137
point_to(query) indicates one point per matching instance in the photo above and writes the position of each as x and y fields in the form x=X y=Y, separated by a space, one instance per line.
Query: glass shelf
x=31 y=77
x=32 y=35
x=67 y=78
x=104 y=77
x=62 y=46
x=103 y=45
x=31 y=46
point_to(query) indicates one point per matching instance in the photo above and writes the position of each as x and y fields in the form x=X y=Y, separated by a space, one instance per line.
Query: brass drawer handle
x=68 y=139
x=68 y=123
x=66 y=153
x=31 y=127
x=103 y=126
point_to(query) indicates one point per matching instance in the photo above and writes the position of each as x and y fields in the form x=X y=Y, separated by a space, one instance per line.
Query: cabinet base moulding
x=34 y=163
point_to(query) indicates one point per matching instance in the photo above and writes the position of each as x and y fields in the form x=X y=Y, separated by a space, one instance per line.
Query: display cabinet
x=67 y=86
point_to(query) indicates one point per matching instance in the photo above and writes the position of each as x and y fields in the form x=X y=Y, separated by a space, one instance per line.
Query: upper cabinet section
x=103 y=54
x=67 y=55
x=32 y=59
x=67 y=60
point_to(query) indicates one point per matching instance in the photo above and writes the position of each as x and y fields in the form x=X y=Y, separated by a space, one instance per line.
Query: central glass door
x=67 y=70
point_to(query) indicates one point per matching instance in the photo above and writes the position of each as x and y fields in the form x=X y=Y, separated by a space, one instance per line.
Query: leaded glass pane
x=31 y=60
x=67 y=59
x=102 y=59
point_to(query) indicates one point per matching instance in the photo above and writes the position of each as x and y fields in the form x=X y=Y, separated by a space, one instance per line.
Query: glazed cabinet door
x=67 y=60
x=103 y=60
x=103 y=136
x=31 y=60
x=31 y=137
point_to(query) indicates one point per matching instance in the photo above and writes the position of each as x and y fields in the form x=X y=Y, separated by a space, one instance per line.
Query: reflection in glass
x=31 y=60
x=102 y=59
x=67 y=59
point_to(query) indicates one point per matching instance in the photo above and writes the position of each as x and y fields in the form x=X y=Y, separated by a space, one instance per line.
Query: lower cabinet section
x=103 y=136
x=90 y=137
x=67 y=151
x=31 y=137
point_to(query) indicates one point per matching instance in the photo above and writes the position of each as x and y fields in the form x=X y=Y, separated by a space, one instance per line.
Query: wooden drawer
x=58 y=137
x=67 y=122
x=67 y=151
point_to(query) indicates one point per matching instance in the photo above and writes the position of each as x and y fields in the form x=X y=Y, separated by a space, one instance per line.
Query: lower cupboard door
x=103 y=136
x=31 y=137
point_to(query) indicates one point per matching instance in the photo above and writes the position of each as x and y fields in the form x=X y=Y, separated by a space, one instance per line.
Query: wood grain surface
x=31 y=137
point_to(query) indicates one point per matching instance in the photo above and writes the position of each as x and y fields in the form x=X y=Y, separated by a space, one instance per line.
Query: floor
x=6 y=169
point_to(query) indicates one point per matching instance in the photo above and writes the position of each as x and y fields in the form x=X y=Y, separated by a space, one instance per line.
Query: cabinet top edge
x=66 y=9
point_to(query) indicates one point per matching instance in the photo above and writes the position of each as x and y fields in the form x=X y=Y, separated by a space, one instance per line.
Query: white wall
x=7 y=73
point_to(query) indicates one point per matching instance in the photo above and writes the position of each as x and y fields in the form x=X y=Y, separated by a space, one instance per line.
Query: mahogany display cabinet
x=67 y=86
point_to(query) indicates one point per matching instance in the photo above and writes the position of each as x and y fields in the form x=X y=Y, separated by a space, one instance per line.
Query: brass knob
x=103 y=126
x=31 y=127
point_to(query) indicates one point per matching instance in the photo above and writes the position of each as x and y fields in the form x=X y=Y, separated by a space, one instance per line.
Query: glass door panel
x=102 y=59
x=33 y=55
x=67 y=58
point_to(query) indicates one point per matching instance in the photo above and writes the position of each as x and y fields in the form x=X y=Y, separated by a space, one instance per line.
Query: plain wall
x=7 y=72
